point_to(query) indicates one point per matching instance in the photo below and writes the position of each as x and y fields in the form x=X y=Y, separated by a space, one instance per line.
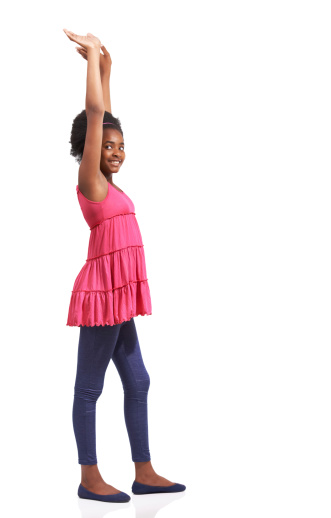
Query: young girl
x=111 y=288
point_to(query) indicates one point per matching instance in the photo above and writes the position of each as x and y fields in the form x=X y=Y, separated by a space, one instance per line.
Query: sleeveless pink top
x=112 y=286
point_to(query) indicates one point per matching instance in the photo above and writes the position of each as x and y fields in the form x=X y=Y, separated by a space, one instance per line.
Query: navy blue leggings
x=97 y=346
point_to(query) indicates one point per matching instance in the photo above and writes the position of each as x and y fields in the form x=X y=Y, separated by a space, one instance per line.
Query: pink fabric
x=112 y=286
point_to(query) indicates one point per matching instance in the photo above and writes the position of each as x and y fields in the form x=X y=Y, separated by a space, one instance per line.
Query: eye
x=122 y=148
x=108 y=145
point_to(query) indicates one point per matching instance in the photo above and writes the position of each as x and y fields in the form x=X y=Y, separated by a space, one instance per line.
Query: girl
x=111 y=288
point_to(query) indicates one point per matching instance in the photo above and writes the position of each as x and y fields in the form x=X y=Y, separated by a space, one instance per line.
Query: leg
x=129 y=363
x=135 y=379
x=95 y=349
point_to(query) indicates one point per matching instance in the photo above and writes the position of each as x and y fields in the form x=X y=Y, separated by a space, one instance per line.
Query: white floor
x=268 y=492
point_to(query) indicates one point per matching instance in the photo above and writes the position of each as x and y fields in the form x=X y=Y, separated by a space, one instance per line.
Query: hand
x=87 y=42
x=105 y=59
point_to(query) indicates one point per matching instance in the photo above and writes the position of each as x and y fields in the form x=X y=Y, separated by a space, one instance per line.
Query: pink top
x=112 y=286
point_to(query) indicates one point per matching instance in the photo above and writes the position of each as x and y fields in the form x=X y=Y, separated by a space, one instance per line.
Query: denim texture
x=97 y=346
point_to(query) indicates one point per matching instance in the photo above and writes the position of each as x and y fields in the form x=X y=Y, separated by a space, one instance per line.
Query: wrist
x=94 y=50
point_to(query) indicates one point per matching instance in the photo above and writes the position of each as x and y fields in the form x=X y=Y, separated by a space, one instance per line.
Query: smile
x=115 y=162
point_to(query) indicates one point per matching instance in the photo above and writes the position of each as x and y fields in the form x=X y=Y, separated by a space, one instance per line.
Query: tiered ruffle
x=112 y=286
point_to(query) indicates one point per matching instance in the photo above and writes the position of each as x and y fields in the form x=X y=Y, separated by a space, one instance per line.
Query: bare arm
x=105 y=68
x=94 y=95
x=106 y=92
x=89 y=177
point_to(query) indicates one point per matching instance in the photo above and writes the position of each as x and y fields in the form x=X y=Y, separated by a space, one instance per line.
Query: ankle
x=144 y=468
x=90 y=474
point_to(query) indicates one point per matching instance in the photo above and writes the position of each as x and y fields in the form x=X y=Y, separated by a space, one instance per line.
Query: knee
x=87 y=393
x=144 y=384
x=137 y=388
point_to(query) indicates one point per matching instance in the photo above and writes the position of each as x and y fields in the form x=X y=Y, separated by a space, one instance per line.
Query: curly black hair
x=78 y=132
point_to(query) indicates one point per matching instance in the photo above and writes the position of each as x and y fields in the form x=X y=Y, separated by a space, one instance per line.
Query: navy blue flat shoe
x=144 y=489
x=118 y=497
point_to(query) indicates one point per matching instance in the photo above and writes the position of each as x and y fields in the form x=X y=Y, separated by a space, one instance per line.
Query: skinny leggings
x=97 y=346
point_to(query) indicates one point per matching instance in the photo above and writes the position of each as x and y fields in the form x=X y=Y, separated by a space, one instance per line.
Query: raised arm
x=94 y=96
x=90 y=179
x=105 y=68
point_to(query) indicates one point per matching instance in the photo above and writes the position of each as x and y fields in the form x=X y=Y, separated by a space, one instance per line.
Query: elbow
x=95 y=110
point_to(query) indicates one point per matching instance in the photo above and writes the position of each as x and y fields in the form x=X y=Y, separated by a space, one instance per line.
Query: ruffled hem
x=99 y=308
x=108 y=323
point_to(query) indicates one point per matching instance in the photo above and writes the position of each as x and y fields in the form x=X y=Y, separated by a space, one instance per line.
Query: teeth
x=115 y=161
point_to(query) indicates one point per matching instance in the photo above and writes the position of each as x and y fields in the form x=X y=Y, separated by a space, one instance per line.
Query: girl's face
x=112 y=151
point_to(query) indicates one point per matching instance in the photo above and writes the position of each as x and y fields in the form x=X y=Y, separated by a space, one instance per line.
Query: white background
x=225 y=108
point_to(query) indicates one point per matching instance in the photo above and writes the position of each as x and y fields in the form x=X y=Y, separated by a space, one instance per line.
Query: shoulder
x=94 y=191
